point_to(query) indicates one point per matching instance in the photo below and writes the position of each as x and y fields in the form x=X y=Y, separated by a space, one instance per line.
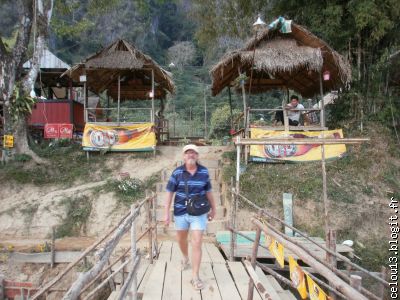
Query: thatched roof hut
x=134 y=68
x=294 y=60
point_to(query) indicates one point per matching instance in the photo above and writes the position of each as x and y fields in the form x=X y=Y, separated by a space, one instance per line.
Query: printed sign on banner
x=298 y=277
x=276 y=250
x=51 y=131
x=127 y=137
x=316 y=293
x=65 y=131
x=58 y=131
x=295 y=153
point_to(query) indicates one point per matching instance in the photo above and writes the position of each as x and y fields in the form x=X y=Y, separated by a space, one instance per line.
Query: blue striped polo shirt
x=198 y=184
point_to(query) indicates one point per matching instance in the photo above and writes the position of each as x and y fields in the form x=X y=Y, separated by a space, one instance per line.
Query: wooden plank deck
x=244 y=247
x=223 y=280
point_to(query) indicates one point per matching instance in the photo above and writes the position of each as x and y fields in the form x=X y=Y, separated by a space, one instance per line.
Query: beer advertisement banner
x=315 y=292
x=295 y=153
x=276 y=250
x=129 y=137
x=298 y=277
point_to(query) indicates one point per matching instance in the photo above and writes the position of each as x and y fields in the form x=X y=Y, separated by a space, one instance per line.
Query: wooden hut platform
x=223 y=280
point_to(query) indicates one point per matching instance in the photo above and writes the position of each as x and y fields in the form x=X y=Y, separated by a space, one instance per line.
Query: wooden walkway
x=224 y=280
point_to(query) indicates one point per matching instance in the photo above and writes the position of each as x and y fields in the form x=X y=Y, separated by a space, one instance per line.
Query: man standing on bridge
x=187 y=182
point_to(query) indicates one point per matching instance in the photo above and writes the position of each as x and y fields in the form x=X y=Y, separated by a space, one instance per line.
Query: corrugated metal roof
x=48 y=61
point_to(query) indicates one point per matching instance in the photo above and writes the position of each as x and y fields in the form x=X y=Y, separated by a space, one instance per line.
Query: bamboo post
x=253 y=262
x=154 y=223
x=110 y=281
x=331 y=242
x=53 y=246
x=381 y=292
x=322 y=101
x=244 y=100
x=119 y=99
x=133 y=288
x=123 y=270
x=331 y=259
x=233 y=235
x=152 y=96
x=355 y=282
x=104 y=282
x=129 y=281
x=150 y=233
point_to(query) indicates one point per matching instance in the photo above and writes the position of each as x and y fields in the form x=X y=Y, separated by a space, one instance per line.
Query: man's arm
x=210 y=198
x=167 y=208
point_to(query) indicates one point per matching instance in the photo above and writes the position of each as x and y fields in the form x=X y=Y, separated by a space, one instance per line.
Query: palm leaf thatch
x=292 y=60
x=123 y=60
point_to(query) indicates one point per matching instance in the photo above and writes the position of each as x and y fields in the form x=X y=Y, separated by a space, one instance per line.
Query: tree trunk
x=11 y=65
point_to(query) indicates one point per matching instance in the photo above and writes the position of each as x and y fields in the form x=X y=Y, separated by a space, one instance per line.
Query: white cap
x=190 y=147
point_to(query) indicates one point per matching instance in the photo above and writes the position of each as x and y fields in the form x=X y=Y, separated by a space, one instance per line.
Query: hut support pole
x=232 y=222
x=285 y=115
x=321 y=89
x=84 y=103
x=119 y=99
x=244 y=101
x=152 y=96
x=230 y=106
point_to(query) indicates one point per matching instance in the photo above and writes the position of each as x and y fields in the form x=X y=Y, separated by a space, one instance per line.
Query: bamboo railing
x=340 y=283
x=108 y=245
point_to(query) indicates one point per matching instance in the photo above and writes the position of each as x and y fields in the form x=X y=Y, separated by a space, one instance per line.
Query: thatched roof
x=292 y=60
x=122 y=59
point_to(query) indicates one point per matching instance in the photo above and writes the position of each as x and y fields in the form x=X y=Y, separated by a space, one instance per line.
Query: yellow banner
x=276 y=250
x=129 y=137
x=298 y=277
x=315 y=292
x=294 y=153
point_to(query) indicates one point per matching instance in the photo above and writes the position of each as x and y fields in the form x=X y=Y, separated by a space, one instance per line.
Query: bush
x=221 y=121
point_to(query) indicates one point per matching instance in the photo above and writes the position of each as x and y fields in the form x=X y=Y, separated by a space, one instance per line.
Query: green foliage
x=21 y=104
x=68 y=165
x=373 y=253
x=22 y=157
x=29 y=210
x=127 y=190
x=221 y=120
x=77 y=212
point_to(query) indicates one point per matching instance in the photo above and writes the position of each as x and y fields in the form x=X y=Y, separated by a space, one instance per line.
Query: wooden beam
x=301 y=141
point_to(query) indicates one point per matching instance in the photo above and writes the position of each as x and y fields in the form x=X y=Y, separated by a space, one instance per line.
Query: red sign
x=58 y=131
x=65 y=131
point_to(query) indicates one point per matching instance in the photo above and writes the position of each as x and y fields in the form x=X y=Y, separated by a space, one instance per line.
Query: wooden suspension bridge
x=154 y=271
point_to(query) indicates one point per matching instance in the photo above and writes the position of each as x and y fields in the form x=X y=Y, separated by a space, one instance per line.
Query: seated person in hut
x=293 y=113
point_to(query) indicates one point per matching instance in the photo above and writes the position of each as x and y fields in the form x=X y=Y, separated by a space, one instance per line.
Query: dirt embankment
x=28 y=212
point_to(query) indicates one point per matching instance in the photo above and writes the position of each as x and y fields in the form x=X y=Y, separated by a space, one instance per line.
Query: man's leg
x=182 y=237
x=196 y=239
